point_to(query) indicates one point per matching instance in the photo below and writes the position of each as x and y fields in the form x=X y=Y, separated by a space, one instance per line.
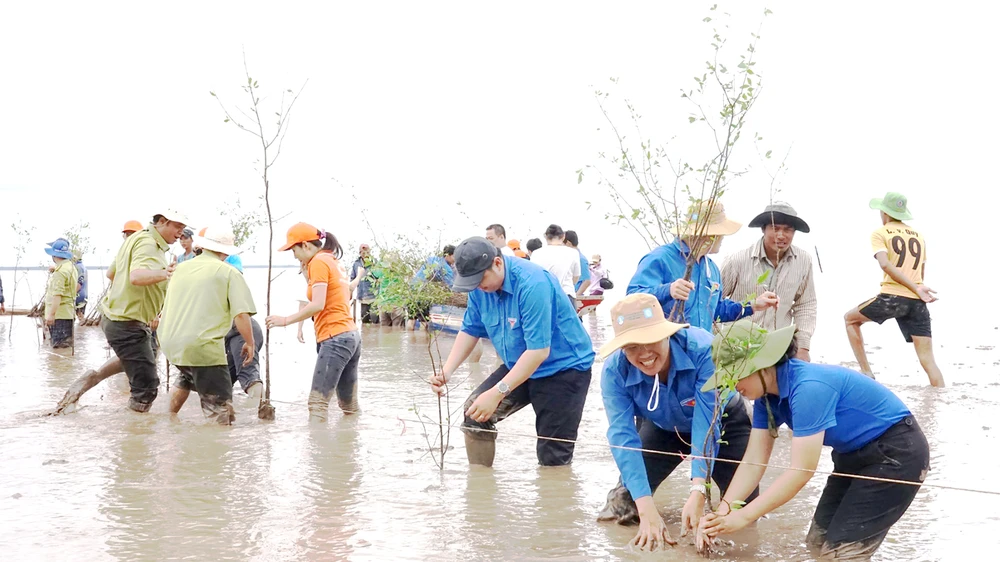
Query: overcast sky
x=415 y=107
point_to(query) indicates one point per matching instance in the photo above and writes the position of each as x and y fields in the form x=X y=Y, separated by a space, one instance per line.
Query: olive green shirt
x=204 y=296
x=143 y=250
x=62 y=284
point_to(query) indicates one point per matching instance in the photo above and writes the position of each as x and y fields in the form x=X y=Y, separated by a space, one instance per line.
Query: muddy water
x=107 y=484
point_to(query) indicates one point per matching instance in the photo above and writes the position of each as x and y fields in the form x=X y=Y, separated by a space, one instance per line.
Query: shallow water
x=107 y=484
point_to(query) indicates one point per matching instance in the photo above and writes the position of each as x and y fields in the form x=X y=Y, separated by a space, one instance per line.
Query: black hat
x=783 y=213
x=472 y=258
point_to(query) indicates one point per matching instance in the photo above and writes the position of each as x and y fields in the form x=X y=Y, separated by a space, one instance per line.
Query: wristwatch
x=700 y=488
x=503 y=388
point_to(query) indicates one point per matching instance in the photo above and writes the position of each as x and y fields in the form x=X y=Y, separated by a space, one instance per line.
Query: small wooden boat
x=587 y=304
x=446 y=318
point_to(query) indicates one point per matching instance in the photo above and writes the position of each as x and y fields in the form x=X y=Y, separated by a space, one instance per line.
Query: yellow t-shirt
x=62 y=283
x=143 y=250
x=906 y=250
x=204 y=296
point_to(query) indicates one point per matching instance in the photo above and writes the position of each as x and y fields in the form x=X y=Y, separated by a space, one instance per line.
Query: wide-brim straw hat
x=638 y=319
x=744 y=348
x=715 y=223
x=217 y=240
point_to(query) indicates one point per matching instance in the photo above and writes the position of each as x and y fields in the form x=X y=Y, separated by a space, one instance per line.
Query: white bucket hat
x=218 y=240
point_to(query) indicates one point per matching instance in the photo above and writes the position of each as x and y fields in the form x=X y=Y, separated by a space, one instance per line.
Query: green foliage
x=244 y=222
x=79 y=241
x=394 y=273
x=663 y=183
x=763 y=277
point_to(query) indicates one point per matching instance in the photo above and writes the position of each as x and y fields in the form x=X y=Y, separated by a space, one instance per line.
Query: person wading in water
x=338 y=343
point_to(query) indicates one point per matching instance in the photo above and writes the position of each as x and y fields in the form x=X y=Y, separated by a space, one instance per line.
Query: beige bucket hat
x=638 y=319
x=700 y=219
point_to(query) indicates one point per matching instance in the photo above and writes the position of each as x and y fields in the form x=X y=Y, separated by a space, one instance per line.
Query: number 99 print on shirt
x=906 y=251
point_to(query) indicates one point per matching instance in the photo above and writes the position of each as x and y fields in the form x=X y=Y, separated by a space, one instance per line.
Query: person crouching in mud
x=338 y=342
x=247 y=375
x=871 y=431
x=654 y=372
x=205 y=297
x=547 y=356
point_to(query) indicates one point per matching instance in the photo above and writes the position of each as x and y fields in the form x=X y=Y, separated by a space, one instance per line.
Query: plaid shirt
x=792 y=281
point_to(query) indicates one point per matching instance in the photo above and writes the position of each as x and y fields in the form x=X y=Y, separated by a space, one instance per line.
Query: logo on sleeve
x=512 y=321
x=689 y=403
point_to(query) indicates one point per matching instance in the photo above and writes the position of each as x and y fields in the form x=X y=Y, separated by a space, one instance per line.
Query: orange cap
x=202 y=232
x=520 y=253
x=299 y=233
x=513 y=244
x=132 y=226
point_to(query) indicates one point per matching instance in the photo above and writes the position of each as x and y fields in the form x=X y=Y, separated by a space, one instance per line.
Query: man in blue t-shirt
x=661 y=272
x=547 y=356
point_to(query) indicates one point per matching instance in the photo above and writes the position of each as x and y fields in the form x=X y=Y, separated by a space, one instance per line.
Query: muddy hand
x=485 y=405
x=652 y=536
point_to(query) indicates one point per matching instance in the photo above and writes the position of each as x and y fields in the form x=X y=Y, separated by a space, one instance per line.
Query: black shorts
x=558 y=402
x=854 y=515
x=206 y=381
x=61 y=333
x=911 y=315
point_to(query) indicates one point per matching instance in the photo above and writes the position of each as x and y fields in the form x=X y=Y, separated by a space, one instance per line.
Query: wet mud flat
x=107 y=484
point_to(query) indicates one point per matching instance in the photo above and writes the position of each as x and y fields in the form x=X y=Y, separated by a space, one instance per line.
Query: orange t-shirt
x=335 y=318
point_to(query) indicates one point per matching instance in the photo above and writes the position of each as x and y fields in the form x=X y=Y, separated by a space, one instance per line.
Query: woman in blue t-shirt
x=653 y=373
x=871 y=431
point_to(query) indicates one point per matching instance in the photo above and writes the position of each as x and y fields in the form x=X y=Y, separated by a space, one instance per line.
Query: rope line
x=669 y=453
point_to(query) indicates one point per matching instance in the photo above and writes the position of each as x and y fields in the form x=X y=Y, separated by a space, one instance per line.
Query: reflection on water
x=107 y=484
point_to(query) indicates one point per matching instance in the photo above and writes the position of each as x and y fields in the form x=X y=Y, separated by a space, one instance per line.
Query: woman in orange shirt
x=338 y=342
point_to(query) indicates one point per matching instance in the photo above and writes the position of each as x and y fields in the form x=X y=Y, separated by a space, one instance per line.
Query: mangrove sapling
x=271 y=148
x=20 y=249
x=722 y=395
x=655 y=209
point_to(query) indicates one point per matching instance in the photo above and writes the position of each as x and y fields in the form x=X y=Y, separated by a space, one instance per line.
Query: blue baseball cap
x=59 y=249
x=235 y=261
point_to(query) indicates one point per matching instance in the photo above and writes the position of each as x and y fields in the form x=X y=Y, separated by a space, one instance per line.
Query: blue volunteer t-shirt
x=853 y=409
x=530 y=311
x=436 y=268
x=584 y=271
x=666 y=264
x=682 y=408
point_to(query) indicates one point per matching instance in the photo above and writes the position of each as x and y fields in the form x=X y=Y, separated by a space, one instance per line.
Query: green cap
x=744 y=348
x=893 y=204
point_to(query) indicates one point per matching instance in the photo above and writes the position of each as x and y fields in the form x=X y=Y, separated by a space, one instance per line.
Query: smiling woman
x=654 y=373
